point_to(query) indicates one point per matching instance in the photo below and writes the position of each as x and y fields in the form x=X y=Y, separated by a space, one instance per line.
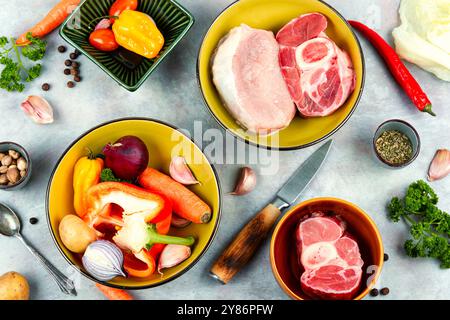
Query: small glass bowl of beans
x=15 y=166
x=396 y=143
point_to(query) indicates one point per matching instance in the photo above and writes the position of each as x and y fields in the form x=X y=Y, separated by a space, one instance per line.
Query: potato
x=14 y=286
x=76 y=234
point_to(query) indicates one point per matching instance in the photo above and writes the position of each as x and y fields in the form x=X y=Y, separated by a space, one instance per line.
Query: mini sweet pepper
x=86 y=174
x=137 y=32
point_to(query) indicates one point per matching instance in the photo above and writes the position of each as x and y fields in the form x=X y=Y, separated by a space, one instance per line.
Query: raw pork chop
x=318 y=73
x=247 y=75
x=330 y=258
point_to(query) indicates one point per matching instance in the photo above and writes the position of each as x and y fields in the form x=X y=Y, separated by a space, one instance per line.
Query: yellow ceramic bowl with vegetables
x=264 y=17
x=133 y=203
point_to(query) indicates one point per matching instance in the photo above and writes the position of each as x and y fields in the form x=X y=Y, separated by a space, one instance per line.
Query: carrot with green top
x=52 y=20
x=185 y=203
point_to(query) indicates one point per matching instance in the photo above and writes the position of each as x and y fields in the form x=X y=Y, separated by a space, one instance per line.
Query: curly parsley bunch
x=14 y=72
x=429 y=226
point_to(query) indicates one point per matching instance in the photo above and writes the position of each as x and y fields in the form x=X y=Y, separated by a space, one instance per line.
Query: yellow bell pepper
x=137 y=32
x=86 y=174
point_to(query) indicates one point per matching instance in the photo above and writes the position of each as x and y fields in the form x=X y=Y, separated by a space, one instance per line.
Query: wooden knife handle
x=245 y=244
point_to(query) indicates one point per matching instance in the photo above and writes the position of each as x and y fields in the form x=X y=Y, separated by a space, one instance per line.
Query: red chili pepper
x=397 y=68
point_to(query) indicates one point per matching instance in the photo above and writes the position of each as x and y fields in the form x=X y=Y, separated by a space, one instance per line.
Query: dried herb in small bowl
x=394 y=147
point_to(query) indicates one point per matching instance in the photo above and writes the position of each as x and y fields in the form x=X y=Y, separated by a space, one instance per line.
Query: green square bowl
x=171 y=19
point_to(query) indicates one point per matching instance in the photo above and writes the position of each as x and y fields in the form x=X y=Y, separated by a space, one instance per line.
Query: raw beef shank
x=330 y=258
x=319 y=75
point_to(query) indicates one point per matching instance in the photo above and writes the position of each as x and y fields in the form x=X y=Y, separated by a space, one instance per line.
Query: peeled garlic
x=180 y=171
x=246 y=182
x=38 y=109
x=440 y=166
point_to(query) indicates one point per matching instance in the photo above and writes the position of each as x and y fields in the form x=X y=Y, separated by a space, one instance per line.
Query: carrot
x=52 y=20
x=114 y=294
x=185 y=203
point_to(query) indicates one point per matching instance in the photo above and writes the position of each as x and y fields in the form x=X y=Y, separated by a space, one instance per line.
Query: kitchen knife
x=243 y=247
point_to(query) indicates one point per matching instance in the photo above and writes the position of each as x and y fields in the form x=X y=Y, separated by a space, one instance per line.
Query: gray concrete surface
x=171 y=94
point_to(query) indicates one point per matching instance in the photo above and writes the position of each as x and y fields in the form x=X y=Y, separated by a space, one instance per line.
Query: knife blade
x=248 y=240
x=301 y=178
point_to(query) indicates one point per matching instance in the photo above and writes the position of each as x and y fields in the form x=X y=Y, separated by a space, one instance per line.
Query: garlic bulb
x=38 y=109
x=246 y=182
x=440 y=166
x=103 y=260
x=179 y=171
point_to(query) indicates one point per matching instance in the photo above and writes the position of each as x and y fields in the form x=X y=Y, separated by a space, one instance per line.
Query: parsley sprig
x=14 y=72
x=429 y=226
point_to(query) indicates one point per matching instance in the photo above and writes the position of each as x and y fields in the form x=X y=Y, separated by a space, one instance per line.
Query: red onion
x=127 y=157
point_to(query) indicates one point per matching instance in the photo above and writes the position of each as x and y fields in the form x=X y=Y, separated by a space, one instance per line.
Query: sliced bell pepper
x=137 y=32
x=140 y=264
x=133 y=200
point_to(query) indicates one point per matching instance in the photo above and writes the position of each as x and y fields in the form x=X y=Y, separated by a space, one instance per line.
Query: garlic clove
x=179 y=222
x=172 y=255
x=38 y=109
x=440 y=165
x=103 y=24
x=246 y=182
x=180 y=171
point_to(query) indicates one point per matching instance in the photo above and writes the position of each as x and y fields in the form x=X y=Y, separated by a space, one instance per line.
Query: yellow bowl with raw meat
x=272 y=15
x=163 y=142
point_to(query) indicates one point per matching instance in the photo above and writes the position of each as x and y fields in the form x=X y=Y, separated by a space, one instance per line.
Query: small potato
x=75 y=233
x=14 y=286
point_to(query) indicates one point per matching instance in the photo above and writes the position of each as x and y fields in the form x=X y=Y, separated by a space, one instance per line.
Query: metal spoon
x=10 y=227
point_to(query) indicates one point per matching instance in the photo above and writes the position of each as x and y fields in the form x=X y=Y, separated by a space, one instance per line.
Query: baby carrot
x=52 y=20
x=185 y=203
x=114 y=294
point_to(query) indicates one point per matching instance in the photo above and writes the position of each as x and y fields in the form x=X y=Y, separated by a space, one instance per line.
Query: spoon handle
x=65 y=284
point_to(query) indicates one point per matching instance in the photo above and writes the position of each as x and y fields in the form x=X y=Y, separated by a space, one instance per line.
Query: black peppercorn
x=68 y=62
x=384 y=291
x=75 y=64
x=45 y=87
x=374 y=292
x=62 y=49
x=73 y=56
x=77 y=78
x=70 y=84
x=386 y=257
x=77 y=52
x=34 y=220
x=66 y=71
x=74 y=72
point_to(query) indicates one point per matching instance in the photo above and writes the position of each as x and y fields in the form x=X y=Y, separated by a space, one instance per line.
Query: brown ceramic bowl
x=283 y=253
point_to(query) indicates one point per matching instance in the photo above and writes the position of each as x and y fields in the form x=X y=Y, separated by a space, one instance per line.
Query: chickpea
x=14 y=154
x=6 y=161
x=3 y=169
x=22 y=164
x=3 y=179
x=13 y=175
